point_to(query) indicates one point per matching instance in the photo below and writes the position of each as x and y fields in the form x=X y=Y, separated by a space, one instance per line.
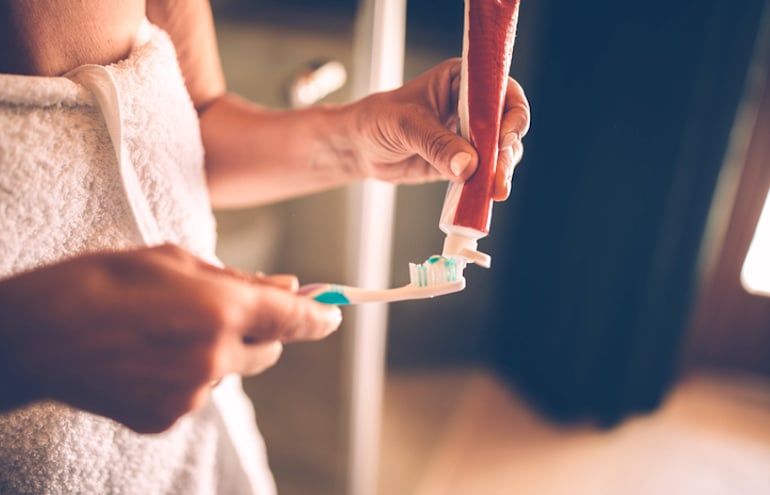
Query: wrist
x=339 y=133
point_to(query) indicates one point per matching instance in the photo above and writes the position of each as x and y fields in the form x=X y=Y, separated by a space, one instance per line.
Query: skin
x=140 y=335
x=144 y=333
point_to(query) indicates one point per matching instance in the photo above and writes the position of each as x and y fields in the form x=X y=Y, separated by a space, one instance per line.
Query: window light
x=755 y=275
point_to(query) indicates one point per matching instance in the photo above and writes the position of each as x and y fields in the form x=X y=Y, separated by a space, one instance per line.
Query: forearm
x=256 y=155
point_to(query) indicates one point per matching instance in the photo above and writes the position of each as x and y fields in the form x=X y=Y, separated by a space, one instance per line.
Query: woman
x=120 y=332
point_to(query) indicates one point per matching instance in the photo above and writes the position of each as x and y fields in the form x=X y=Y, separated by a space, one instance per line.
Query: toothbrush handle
x=342 y=295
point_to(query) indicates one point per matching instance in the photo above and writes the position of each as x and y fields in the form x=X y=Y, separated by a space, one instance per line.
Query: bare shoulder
x=50 y=37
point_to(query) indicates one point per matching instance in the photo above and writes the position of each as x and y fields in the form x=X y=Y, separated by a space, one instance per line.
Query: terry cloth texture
x=62 y=193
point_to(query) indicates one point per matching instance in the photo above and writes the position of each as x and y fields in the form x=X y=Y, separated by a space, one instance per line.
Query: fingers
x=255 y=339
x=453 y=156
x=250 y=317
x=286 y=317
x=462 y=164
x=257 y=358
x=414 y=138
x=259 y=308
x=502 y=184
x=283 y=317
x=516 y=116
x=283 y=281
x=506 y=162
x=514 y=127
x=449 y=153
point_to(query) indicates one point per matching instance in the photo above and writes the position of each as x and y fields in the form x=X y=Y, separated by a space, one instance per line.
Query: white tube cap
x=459 y=246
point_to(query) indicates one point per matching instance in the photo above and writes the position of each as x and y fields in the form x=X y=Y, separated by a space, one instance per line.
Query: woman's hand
x=408 y=135
x=139 y=336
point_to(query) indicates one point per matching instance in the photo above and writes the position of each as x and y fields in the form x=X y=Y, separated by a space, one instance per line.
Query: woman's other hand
x=140 y=336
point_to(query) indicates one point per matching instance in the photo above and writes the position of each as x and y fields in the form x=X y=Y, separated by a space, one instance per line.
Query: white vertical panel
x=378 y=65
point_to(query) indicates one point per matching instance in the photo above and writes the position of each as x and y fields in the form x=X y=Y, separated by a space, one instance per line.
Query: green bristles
x=436 y=270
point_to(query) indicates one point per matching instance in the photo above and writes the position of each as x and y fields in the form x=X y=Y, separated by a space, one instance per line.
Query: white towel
x=62 y=192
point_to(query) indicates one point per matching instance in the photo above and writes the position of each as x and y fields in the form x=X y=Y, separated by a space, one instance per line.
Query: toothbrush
x=436 y=277
x=490 y=27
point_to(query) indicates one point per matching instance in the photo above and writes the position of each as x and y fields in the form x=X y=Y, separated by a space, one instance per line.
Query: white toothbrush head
x=436 y=270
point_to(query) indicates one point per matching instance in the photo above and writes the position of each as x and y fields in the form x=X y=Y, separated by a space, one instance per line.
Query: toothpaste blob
x=490 y=27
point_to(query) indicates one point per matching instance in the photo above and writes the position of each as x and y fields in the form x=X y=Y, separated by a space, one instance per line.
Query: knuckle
x=290 y=326
x=409 y=118
x=215 y=317
x=516 y=153
x=440 y=146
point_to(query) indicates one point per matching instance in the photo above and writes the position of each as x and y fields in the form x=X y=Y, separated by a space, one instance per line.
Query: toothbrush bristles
x=436 y=270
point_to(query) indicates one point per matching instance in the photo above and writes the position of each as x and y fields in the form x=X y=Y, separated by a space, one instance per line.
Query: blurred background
x=611 y=348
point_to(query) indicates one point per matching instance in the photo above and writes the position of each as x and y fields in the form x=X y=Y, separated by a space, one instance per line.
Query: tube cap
x=457 y=245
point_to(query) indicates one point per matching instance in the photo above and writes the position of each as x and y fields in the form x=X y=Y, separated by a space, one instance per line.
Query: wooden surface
x=463 y=433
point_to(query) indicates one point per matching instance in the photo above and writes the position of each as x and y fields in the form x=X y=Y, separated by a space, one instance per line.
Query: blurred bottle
x=314 y=81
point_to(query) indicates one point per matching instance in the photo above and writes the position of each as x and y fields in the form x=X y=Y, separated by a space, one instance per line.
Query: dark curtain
x=595 y=253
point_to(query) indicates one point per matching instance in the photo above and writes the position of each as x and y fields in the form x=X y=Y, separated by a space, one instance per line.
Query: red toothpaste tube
x=490 y=28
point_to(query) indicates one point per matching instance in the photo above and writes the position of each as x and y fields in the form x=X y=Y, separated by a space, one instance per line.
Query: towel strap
x=98 y=80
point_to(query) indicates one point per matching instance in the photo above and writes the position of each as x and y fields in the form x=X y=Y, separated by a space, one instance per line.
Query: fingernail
x=507 y=193
x=334 y=319
x=459 y=163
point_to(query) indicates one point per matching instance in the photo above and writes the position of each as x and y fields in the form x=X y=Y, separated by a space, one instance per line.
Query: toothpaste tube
x=490 y=27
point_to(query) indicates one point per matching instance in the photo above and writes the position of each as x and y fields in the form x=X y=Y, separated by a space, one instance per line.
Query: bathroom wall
x=300 y=403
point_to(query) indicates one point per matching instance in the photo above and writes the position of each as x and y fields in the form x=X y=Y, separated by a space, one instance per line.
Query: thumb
x=448 y=152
